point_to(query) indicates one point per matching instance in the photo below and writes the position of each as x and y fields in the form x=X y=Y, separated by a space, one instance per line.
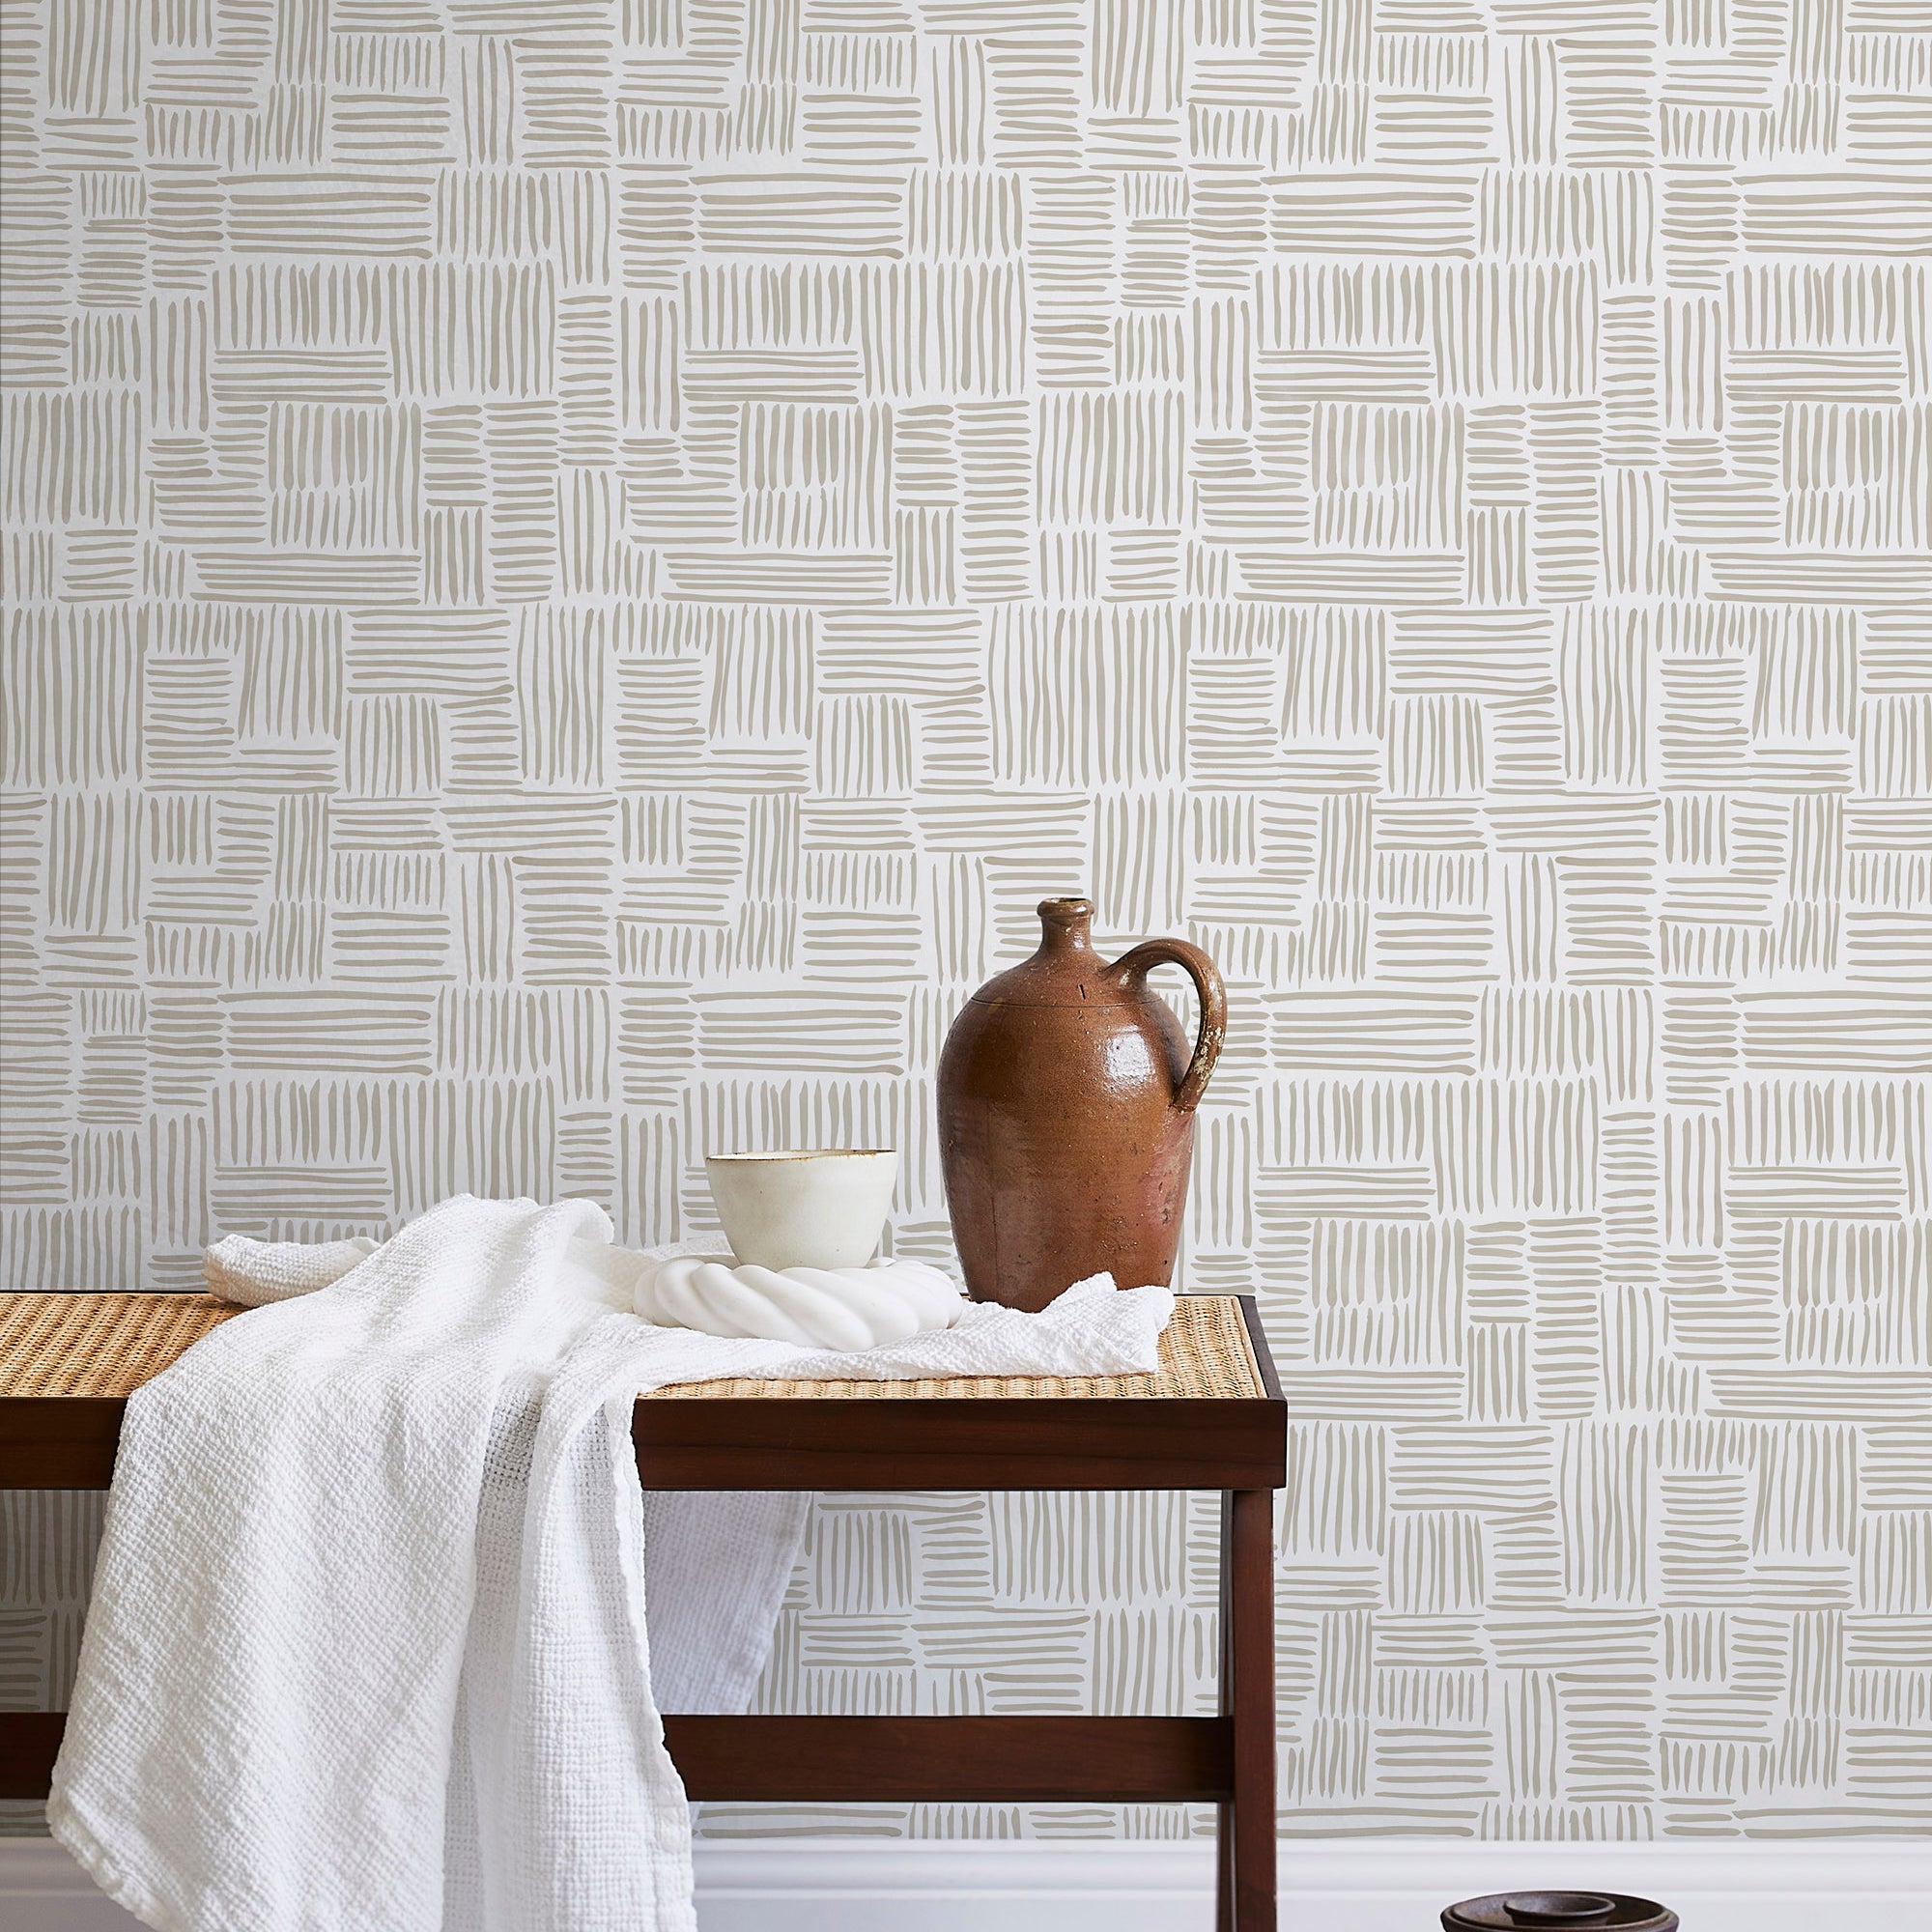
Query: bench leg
x=1246 y=1850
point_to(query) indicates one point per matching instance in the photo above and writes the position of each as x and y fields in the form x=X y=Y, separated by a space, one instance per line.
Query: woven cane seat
x=88 y=1344
x=98 y=1344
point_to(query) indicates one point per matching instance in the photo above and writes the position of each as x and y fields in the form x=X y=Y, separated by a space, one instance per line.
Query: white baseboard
x=1358 y=1884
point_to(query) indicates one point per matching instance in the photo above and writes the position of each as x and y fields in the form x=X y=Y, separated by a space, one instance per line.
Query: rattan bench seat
x=107 y=1345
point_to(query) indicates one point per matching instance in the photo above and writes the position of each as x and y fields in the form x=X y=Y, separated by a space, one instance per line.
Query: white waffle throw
x=368 y=1649
x=812 y=1308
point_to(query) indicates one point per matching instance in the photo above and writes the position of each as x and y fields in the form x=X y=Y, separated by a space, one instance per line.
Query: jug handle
x=1213 y=996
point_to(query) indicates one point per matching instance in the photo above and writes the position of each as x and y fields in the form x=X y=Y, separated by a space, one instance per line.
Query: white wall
x=1373 y=1886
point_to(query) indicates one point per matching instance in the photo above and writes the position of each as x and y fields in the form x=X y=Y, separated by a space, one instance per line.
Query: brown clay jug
x=1067 y=1097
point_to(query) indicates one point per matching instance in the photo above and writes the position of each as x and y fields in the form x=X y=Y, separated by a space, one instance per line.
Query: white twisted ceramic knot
x=817 y=1308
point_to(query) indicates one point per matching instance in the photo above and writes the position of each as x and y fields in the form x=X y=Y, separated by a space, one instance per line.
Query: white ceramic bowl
x=825 y=1207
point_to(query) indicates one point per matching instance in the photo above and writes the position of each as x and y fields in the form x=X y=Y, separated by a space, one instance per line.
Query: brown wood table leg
x=1246 y=1851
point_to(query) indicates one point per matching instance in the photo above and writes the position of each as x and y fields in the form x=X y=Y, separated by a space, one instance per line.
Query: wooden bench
x=1211 y=1418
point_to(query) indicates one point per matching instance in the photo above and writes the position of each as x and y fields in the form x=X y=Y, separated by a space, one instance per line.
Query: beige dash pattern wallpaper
x=574 y=567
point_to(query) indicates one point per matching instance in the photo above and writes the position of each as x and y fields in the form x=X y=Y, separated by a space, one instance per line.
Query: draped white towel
x=255 y=1273
x=712 y=1291
x=368 y=1649
x=814 y=1308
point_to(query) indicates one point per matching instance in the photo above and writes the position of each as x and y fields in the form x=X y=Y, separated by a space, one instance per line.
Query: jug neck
x=1065 y=926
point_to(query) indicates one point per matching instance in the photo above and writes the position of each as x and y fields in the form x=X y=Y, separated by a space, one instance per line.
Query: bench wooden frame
x=1236 y=1446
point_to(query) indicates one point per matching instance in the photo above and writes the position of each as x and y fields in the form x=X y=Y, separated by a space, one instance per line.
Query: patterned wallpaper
x=576 y=566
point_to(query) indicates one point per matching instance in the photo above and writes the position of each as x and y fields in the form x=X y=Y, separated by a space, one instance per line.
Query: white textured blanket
x=367 y=1650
